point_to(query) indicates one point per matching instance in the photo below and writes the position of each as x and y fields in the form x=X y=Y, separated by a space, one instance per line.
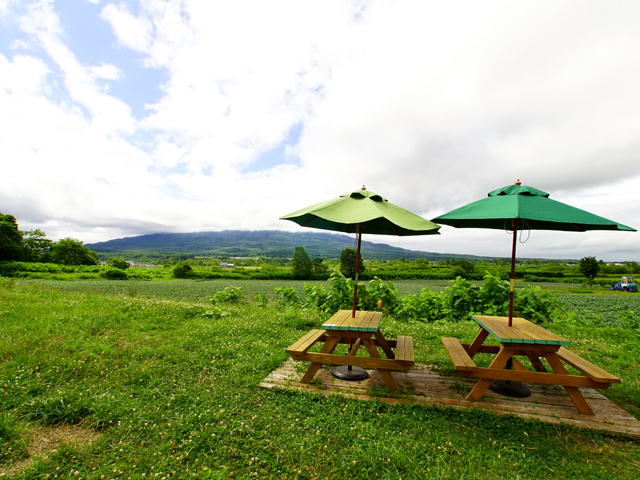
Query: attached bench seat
x=404 y=349
x=458 y=355
x=587 y=368
x=306 y=342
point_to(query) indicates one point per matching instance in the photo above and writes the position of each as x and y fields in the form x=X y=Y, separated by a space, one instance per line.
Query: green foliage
x=288 y=296
x=463 y=268
x=319 y=267
x=536 y=305
x=112 y=273
x=348 y=263
x=228 y=295
x=182 y=270
x=69 y=251
x=118 y=263
x=301 y=263
x=589 y=267
x=36 y=246
x=10 y=239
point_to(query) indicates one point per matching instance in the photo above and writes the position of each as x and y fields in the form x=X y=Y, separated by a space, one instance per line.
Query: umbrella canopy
x=532 y=206
x=365 y=209
x=519 y=207
x=362 y=211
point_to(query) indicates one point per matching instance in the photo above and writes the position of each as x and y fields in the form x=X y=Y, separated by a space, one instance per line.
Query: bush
x=288 y=296
x=182 y=270
x=228 y=295
x=118 y=263
x=112 y=273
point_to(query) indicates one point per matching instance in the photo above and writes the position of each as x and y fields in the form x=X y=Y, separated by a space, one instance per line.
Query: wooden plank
x=541 y=333
x=458 y=355
x=587 y=368
x=357 y=322
x=404 y=350
x=364 y=362
x=547 y=404
x=522 y=331
x=306 y=342
x=372 y=322
x=336 y=320
x=532 y=377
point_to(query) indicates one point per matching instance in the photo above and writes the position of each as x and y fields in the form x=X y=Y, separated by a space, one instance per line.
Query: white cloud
x=431 y=104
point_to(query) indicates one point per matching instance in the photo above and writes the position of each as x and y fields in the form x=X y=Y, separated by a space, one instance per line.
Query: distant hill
x=260 y=243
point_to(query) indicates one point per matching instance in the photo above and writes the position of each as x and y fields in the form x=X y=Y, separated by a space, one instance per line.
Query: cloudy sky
x=121 y=118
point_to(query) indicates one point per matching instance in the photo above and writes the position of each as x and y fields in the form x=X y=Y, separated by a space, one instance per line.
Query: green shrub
x=228 y=295
x=118 y=263
x=182 y=270
x=113 y=273
x=288 y=296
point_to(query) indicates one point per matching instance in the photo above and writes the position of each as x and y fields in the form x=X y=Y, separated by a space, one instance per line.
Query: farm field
x=164 y=390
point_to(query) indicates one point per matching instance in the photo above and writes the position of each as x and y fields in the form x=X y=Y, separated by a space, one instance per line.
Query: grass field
x=165 y=392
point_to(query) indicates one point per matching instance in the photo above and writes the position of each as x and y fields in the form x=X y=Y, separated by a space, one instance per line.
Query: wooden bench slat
x=404 y=349
x=306 y=342
x=459 y=356
x=586 y=367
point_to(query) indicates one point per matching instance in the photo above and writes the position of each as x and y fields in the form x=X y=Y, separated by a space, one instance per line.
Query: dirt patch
x=45 y=440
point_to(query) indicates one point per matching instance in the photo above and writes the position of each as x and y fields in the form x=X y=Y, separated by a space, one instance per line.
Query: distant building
x=227 y=265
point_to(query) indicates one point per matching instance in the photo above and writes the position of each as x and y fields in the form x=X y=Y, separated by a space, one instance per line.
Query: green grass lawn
x=174 y=394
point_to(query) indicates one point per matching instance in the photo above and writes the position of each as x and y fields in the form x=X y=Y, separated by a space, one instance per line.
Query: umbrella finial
x=363 y=187
x=518 y=182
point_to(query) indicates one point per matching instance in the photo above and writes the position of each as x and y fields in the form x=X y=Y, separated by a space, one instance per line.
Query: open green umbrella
x=362 y=211
x=519 y=207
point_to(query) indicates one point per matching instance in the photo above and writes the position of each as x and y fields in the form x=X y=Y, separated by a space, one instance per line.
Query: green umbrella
x=362 y=211
x=519 y=207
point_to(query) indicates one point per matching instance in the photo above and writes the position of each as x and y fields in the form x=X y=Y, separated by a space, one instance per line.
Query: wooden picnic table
x=526 y=339
x=363 y=329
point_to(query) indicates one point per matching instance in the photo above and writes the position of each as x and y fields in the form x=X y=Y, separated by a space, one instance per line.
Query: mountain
x=261 y=243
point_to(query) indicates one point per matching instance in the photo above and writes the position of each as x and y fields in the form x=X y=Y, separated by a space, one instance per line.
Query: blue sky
x=120 y=118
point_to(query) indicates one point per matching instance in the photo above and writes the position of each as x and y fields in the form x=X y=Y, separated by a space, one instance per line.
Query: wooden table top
x=363 y=321
x=521 y=331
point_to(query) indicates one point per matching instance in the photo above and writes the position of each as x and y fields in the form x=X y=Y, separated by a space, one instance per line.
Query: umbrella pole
x=513 y=269
x=355 y=285
x=349 y=372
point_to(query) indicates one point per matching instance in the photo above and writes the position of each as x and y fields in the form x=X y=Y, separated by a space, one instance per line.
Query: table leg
x=477 y=342
x=501 y=359
x=354 y=348
x=535 y=361
x=385 y=345
x=384 y=373
x=328 y=347
x=573 y=392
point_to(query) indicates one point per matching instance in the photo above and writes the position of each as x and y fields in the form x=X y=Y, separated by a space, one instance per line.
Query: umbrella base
x=509 y=388
x=352 y=374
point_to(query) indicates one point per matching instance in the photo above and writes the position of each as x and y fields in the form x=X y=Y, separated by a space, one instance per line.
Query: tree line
x=33 y=246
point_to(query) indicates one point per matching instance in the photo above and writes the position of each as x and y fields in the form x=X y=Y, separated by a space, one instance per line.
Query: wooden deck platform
x=420 y=385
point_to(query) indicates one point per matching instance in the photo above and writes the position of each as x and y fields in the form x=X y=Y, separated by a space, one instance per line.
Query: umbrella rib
x=578 y=228
x=392 y=226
